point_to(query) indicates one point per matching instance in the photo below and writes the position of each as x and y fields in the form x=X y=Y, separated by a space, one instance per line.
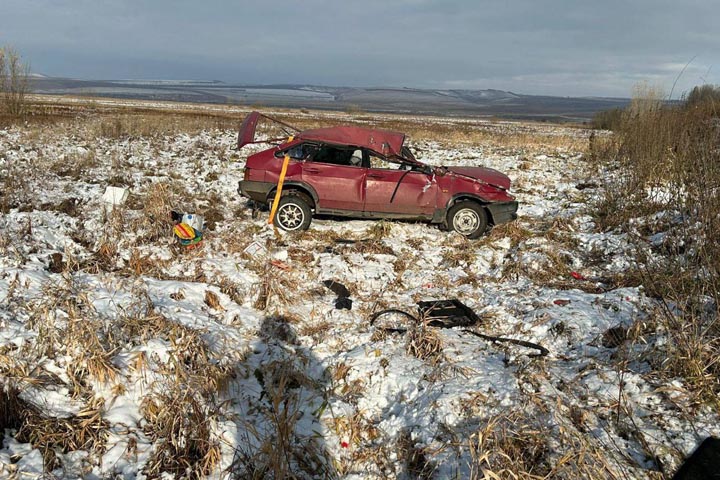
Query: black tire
x=468 y=218
x=293 y=214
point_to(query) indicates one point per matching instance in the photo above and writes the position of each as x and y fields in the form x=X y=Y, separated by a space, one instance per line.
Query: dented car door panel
x=338 y=187
x=400 y=191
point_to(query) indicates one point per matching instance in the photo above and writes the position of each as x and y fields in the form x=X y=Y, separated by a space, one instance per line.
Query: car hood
x=487 y=175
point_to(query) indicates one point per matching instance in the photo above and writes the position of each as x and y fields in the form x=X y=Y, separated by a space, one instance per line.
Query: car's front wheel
x=293 y=214
x=468 y=219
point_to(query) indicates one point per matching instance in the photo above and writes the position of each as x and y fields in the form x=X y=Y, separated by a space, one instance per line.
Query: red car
x=365 y=173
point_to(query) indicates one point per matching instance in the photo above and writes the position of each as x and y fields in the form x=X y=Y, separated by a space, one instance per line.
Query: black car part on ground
x=449 y=314
x=343 y=300
x=543 y=351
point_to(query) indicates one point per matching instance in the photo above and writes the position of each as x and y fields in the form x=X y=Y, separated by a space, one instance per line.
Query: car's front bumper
x=502 y=212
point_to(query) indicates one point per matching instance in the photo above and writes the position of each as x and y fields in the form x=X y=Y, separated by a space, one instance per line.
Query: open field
x=123 y=355
x=457 y=102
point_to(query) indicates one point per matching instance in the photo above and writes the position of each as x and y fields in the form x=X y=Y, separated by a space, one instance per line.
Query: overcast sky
x=555 y=47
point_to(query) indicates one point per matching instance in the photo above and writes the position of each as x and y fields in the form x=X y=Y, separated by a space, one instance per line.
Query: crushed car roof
x=381 y=141
x=384 y=142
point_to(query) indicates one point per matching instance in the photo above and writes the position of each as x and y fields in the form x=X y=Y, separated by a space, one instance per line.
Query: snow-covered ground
x=148 y=358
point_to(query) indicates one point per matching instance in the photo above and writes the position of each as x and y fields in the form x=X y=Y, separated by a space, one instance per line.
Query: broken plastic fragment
x=254 y=249
x=115 y=195
x=280 y=264
x=343 y=301
x=447 y=313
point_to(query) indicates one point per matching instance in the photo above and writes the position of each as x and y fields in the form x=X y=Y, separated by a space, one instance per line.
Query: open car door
x=246 y=135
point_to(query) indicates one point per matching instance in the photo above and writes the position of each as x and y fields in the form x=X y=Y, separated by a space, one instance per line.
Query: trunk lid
x=247 y=129
x=246 y=135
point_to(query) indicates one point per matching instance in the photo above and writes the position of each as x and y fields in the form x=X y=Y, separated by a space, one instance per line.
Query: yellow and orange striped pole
x=281 y=180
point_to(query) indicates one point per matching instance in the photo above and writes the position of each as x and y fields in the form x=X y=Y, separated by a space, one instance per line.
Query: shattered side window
x=381 y=162
x=334 y=155
x=407 y=153
x=299 y=152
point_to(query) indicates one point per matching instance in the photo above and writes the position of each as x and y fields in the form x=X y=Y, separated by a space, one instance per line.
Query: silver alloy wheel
x=290 y=216
x=466 y=221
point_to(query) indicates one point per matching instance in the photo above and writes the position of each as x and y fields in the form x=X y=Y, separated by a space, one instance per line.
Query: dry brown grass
x=84 y=431
x=425 y=343
x=283 y=453
x=521 y=443
x=137 y=119
x=317 y=330
x=157 y=202
x=275 y=288
x=180 y=424
x=15 y=185
x=458 y=252
x=212 y=300
x=417 y=464
x=667 y=159
x=149 y=124
x=515 y=136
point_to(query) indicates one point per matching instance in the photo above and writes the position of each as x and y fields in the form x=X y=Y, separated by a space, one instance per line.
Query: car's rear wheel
x=293 y=214
x=468 y=219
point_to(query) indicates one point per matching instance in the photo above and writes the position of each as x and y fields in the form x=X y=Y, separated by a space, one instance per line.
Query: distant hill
x=490 y=103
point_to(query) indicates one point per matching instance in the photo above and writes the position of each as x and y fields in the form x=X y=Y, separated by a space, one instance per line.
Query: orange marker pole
x=281 y=180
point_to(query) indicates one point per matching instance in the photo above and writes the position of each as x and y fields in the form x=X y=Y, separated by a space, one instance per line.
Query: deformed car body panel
x=246 y=134
x=487 y=175
x=368 y=173
x=398 y=191
x=384 y=142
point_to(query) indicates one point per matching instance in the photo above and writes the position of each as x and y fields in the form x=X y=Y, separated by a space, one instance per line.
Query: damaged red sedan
x=366 y=173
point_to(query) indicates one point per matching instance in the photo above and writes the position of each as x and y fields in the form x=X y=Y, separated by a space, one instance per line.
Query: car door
x=337 y=181
x=393 y=187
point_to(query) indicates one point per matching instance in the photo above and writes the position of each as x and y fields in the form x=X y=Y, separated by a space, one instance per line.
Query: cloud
x=550 y=47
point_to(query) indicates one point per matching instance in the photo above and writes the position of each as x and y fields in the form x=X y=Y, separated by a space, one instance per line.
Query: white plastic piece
x=115 y=195
x=255 y=249
x=195 y=221
x=281 y=255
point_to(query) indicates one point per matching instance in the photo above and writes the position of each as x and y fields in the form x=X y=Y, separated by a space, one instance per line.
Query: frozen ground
x=135 y=358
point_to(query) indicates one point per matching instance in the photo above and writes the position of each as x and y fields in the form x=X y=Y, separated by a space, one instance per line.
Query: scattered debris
x=337 y=288
x=280 y=264
x=115 y=195
x=255 y=249
x=447 y=313
x=158 y=332
x=577 y=276
x=195 y=221
x=187 y=235
x=343 y=300
x=543 y=351
x=343 y=303
x=188 y=228
x=392 y=311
